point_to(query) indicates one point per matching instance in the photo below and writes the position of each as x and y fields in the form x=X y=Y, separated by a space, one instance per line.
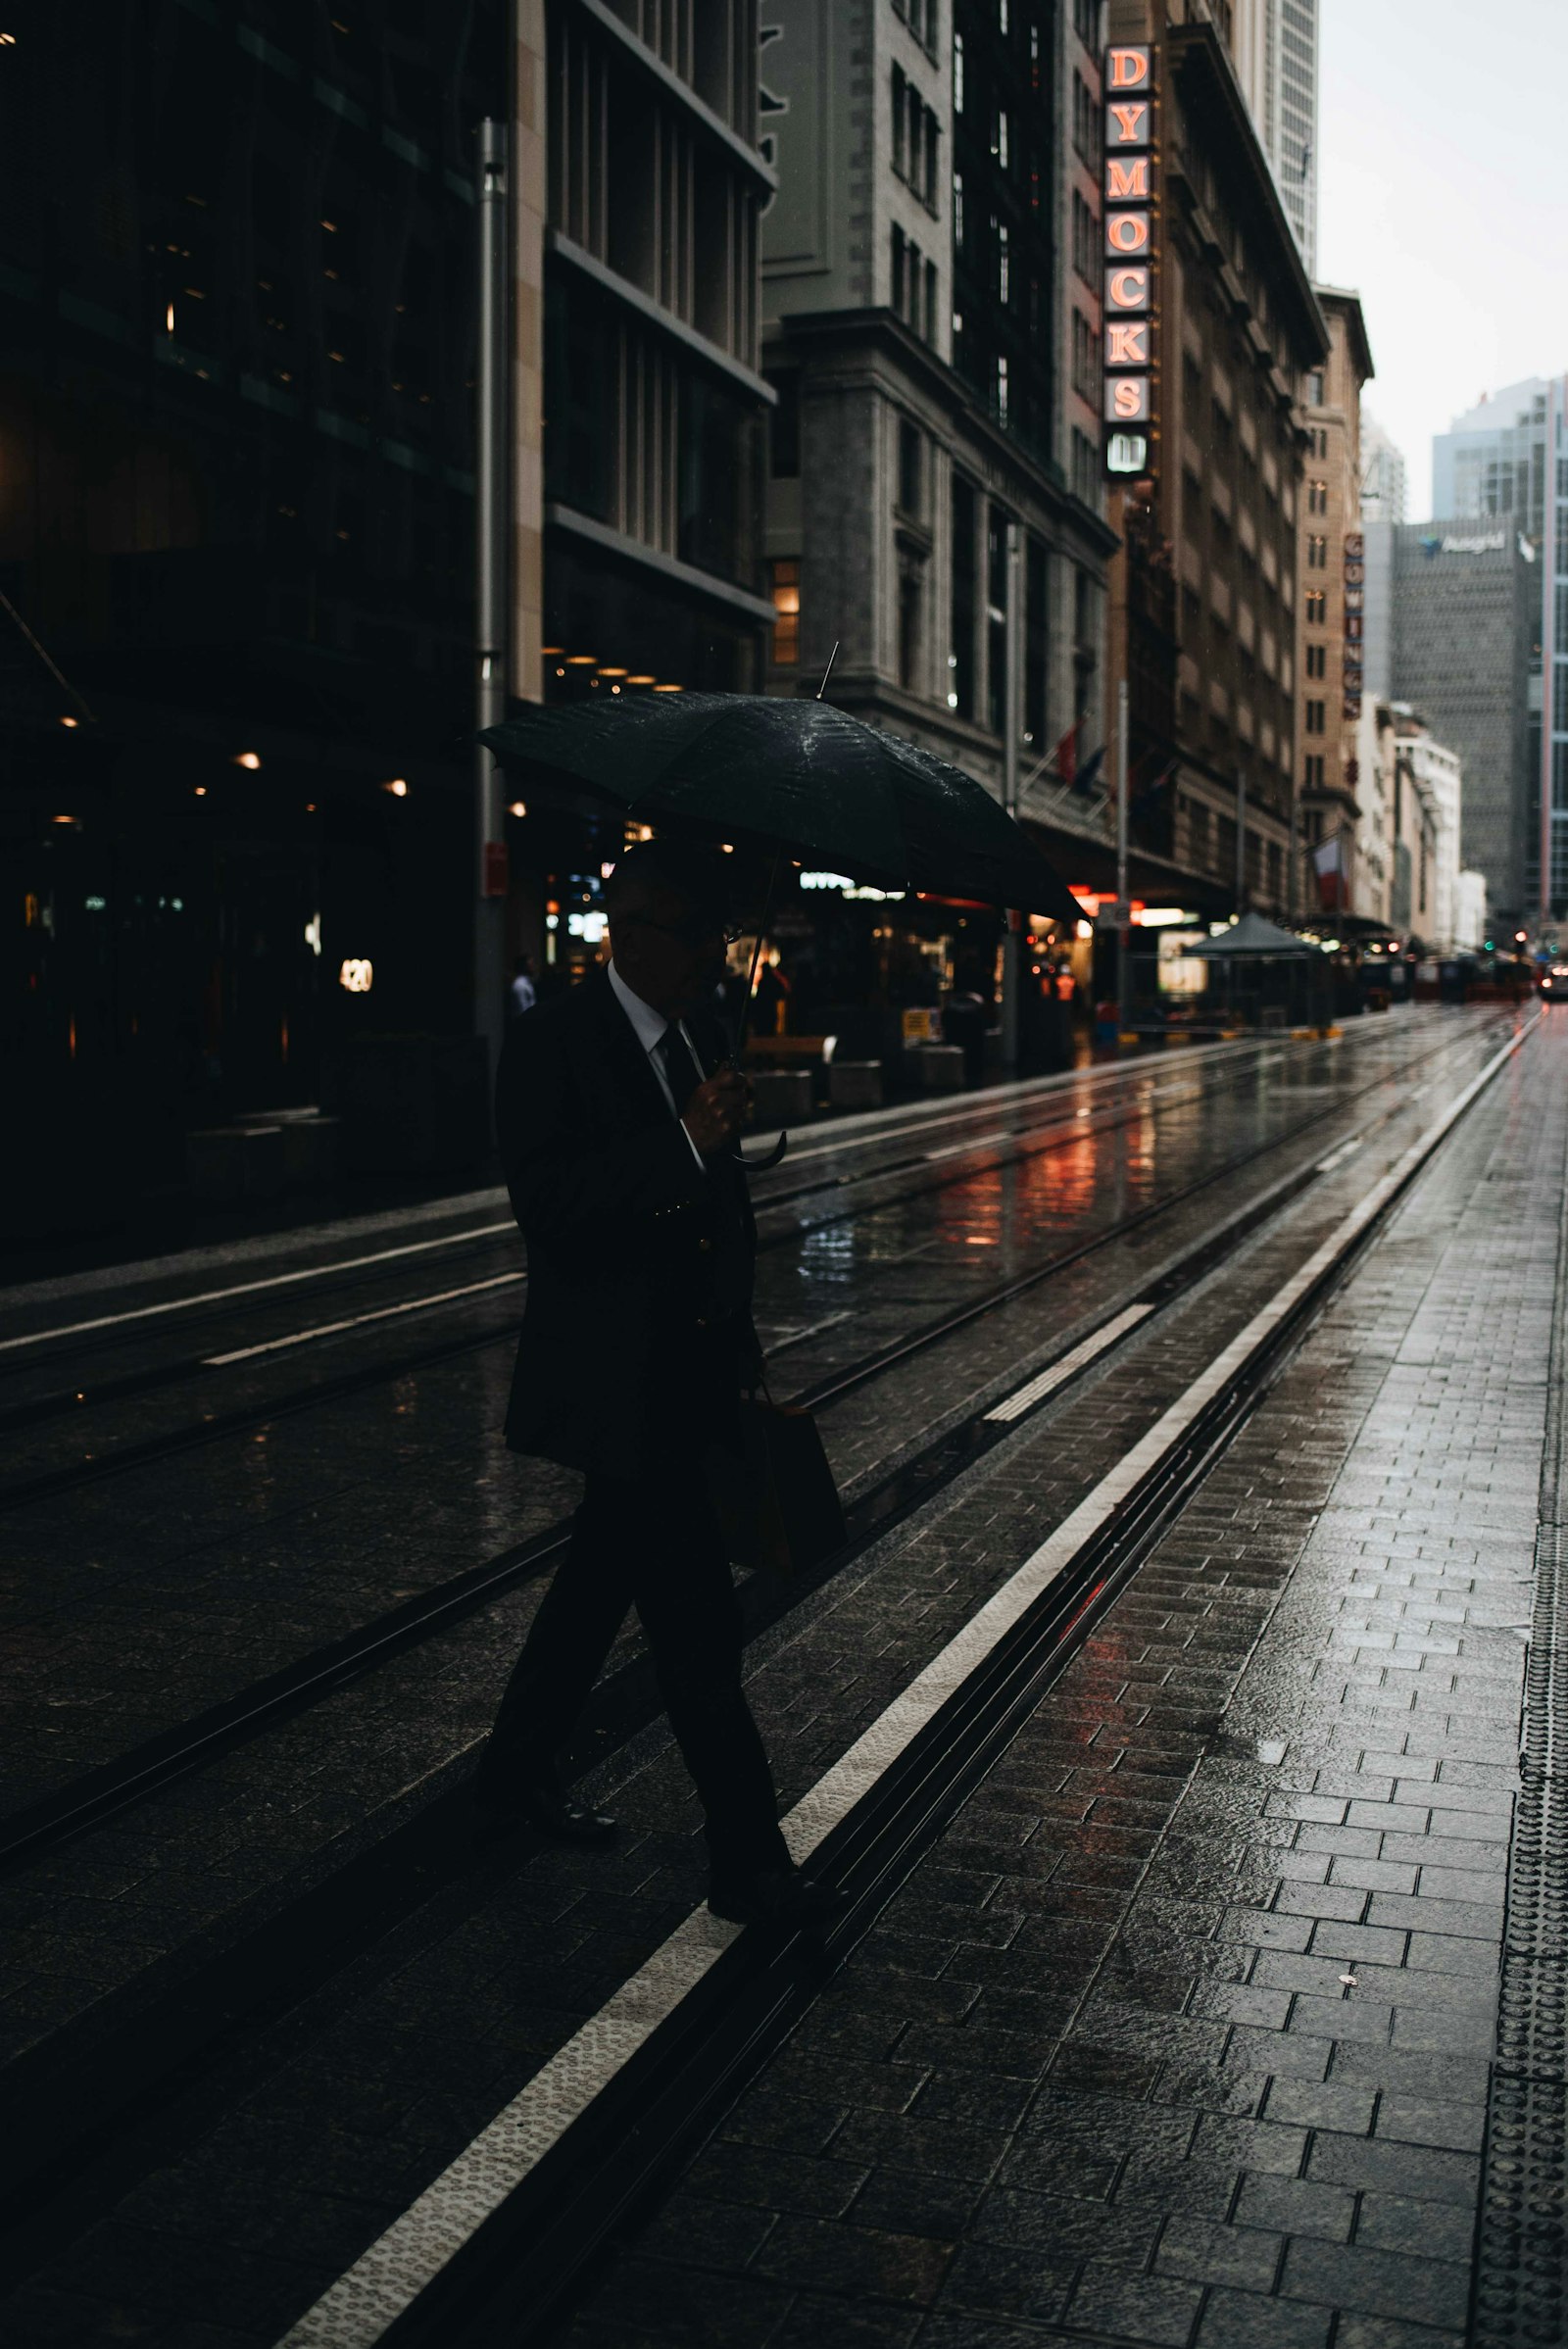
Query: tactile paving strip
x=1521 y=2276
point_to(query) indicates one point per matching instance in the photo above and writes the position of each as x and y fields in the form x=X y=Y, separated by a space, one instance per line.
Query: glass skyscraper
x=1508 y=457
x=1276 y=44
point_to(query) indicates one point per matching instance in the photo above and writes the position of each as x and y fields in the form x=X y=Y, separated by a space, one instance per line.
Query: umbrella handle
x=768 y=1158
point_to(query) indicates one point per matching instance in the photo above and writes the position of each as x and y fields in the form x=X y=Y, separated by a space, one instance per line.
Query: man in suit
x=616 y=1117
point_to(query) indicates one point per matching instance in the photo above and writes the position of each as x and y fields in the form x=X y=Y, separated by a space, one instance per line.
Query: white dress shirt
x=650 y=1028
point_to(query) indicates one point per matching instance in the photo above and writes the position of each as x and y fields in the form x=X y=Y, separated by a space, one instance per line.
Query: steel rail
x=100 y=1794
x=524 y=2268
x=86 y=2132
x=216 y=1426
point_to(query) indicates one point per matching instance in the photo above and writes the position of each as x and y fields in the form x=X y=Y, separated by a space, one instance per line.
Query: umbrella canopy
x=798 y=776
x=1253 y=936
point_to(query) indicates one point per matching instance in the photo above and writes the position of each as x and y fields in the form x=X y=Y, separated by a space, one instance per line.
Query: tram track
x=219 y=1729
x=217 y=1425
x=69 y=1400
x=607 y=2122
x=59 y=2138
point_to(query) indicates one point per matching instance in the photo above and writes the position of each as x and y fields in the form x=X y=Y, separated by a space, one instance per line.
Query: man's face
x=670 y=952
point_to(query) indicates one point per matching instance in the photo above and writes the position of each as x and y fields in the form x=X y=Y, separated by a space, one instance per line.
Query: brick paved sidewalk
x=1182 y=2031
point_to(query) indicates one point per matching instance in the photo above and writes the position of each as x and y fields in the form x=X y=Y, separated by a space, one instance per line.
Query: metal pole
x=490 y=589
x=1240 y=845
x=1012 y=942
x=1123 y=909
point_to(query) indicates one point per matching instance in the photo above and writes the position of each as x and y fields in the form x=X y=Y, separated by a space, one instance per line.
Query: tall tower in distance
x=1276 y=45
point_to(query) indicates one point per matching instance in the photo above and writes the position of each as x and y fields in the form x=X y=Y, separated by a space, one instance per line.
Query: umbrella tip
x=828 y=672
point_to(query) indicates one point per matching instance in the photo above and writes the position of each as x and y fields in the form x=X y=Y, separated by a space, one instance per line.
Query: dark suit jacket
x=640 y=1260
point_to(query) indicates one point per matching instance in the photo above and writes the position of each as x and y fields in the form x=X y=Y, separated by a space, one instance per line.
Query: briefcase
x=775 y=1496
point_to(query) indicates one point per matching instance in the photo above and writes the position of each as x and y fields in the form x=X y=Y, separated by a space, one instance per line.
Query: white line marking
x=386 y=2279
x=275 y=1280
x=1069 y=1364
x=491 y=1231
x=1347 y=1149
x=797 y=1335
x=354 y=1321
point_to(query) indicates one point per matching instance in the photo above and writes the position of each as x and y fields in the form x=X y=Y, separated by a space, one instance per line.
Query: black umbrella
x=796 y=777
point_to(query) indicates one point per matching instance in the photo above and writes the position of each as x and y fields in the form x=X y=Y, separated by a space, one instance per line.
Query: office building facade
x=1331 y=593
x=654 y=403
x=931 y=272
x=1205 y=592
x=1275 y=47
x=1466 y=597
x=1505 y=461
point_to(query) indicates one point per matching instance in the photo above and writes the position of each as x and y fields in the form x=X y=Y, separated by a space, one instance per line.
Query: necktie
x=680 y=1067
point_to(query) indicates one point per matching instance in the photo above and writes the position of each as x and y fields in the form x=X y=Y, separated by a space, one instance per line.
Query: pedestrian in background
x=520 y=995
x=616 y=1117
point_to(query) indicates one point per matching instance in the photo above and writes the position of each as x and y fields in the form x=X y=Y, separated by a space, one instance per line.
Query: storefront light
x=518 y=808
x=1085 y=929
x=669 y=689
x=247 y=759
x=356 y=974
x=581 y=660
x=397 y=787
x=639 y=680
x=71 y=721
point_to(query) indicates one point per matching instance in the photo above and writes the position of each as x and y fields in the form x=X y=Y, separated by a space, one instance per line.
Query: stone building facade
x=930 y=266
x=1331 y=588
x=1203 y=600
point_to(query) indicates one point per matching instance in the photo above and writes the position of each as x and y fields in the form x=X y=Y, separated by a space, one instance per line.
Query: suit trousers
x=651 y=1542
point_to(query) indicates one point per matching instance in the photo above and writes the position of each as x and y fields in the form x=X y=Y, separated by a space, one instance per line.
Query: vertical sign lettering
x=1130 y=289
x=1354 y=619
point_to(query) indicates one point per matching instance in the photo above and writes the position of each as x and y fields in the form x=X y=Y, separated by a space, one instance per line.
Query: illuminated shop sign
x=1354 y=619
x=1130 y=272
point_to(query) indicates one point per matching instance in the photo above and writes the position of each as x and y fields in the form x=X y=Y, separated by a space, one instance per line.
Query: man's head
x=667 y=924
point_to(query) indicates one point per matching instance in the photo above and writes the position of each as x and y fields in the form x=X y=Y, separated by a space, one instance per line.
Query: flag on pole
x=1332 y=865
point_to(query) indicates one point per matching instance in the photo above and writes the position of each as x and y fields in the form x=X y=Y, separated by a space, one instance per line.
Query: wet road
x=210 y=1520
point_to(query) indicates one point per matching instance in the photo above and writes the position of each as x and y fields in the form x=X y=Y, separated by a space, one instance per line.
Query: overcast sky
x=1443 y=201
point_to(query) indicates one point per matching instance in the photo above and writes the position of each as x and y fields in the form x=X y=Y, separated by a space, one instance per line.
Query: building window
x=960 y=654
x=1002 y=389
x=1317 y=657
x=899 y=243
x=1084 y=124
x=1003 y=268
x=787 y=611
x=1317 y=553
x=931 y=301
x=1312 y=774
x=957 y=212
x=1086 y=22
x=958 y=72
x=911 y=606
x=1316 y=607
x=1000 y=148
x=1317 y=497
x=899 y=157
x=996 y=584
x=912 y=451
x=1036 y=643
x=1314 y=388
x=1312 y=713
x=1084 y=258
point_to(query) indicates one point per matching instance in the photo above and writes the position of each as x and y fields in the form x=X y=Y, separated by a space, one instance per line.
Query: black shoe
x=548 y=1811
x=781 y=1898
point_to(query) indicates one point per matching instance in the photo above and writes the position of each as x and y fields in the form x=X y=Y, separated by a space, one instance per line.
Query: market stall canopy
x=796 y=777
x=1253 y=936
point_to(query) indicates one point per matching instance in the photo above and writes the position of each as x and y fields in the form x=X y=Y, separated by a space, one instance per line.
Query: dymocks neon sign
x=1129 y=324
